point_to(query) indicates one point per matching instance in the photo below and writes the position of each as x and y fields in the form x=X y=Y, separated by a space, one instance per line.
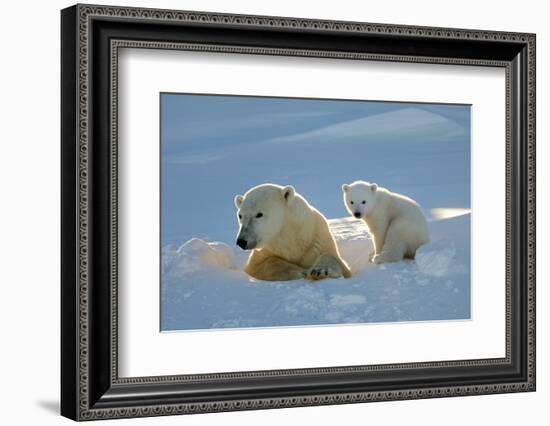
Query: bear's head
x=261 y=213
x=360 y=197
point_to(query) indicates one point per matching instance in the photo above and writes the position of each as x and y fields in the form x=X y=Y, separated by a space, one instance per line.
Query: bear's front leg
x=378 y=243
x=394 y=246
x=272 y=268
x=393 y=252
x=326 y=266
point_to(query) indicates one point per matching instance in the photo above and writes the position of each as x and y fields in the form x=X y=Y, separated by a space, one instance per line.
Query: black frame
x=91 y=37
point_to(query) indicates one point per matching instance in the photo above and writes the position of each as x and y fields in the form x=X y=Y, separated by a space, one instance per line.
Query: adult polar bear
x=395 y=222
x=288 y=237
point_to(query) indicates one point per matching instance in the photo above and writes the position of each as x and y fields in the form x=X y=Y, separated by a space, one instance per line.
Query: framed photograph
x=263 y=212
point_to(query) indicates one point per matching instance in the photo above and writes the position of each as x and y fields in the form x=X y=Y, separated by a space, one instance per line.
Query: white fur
x=288 y=237
x=395 y=222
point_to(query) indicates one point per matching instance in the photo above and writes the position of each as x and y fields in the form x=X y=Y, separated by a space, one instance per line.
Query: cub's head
x=261 y=214
x=360 y=197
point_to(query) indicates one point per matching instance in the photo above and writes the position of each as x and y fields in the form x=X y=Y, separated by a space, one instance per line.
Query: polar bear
x=396 y=223
x=289 y=238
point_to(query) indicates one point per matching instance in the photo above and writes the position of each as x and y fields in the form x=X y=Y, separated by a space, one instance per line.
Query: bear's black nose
x=241 y=243
x=357 y=215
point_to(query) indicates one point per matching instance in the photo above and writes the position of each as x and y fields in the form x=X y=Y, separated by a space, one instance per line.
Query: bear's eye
x=351 y=202
x=363 y=202
x=259 y=215
x=240 y=216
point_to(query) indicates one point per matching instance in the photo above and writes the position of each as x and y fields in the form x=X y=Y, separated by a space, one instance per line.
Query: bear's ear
x=288 y=192
x=373 y=187
x=345 y=187
x=238 y=200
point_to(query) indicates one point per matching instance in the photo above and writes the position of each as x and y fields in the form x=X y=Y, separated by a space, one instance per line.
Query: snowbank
x=204 y=285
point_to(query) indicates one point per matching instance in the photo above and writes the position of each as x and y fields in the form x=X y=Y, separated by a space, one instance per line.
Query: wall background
x=29 y=222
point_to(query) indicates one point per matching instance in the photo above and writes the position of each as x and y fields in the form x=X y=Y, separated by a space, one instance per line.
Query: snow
x=204 y=286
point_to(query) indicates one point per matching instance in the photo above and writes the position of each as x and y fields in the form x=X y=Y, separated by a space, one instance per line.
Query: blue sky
x=213 y=147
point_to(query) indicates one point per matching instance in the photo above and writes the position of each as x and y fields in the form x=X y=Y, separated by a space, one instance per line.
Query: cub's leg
x=394 y=247
x=378 y=243
x=328 y=266
x=272 y=268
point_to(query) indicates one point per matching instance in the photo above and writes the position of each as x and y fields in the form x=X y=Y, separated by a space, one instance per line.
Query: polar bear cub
x=288 y=237
x=396 y=223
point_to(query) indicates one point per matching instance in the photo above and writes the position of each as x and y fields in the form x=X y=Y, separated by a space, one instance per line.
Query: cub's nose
x=357 y=215
x=241 y=243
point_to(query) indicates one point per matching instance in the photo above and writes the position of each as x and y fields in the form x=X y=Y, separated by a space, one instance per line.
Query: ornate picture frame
x=91 y=37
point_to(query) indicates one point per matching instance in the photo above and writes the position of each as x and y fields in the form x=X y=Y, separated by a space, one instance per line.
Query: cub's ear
x=288 y=192
x=238 y=200
x=345 y=187
x=373 y=187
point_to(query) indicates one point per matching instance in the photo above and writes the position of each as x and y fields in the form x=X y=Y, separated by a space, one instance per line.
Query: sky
x=214 y=147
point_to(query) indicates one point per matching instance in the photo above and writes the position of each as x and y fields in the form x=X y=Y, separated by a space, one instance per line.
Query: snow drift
x=204 y=286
